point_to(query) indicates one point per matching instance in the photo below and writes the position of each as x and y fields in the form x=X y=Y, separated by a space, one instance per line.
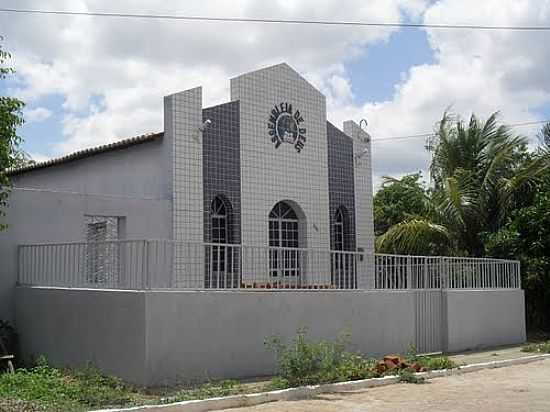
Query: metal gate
x=429 y=321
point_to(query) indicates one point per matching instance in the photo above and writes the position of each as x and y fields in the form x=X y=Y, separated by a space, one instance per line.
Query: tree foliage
x=11 y=118
x=481 y=172
x=398 y=200
x=526 y=237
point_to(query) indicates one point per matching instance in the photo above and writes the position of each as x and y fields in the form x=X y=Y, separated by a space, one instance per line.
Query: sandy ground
x=511 y=389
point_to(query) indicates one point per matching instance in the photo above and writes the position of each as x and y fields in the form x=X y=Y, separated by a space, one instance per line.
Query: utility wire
x=430 y=134
x=279 y=21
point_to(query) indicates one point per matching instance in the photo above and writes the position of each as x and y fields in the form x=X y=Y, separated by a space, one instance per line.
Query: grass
x=43 y=388
x=46 y=389
x=49 y=389
x=541 y=347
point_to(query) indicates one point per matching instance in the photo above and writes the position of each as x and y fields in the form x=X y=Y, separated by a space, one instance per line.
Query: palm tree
x=478 y=171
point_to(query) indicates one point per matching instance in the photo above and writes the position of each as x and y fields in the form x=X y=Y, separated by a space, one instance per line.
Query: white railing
x=147 y=264
x=435 y=272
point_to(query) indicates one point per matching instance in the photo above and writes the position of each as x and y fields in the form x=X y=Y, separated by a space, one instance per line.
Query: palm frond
x=415 y=237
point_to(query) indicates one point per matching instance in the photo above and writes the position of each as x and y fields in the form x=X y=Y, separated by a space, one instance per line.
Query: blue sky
x=89 y=81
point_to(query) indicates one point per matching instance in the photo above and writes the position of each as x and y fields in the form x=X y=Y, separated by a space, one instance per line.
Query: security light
x=207 y=123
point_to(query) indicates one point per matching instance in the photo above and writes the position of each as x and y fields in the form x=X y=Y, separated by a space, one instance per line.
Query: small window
x=102 y=249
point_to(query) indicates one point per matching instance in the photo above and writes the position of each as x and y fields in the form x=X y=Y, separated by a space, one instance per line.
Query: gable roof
x=81 y=154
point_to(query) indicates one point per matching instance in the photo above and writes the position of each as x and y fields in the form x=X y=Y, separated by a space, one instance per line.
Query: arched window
x=343 y=264
x=222 y=269
x=283 y=226
x=283 y=234
x=339 y=229
x=218 y=221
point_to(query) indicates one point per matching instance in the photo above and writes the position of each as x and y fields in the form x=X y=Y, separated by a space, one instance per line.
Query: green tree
x=544 y=136
x=480 y=172
x=11 y=118
x=527 y=237
x=399 y=200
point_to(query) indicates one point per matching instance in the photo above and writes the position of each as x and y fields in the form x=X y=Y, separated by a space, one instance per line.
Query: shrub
x=306 y=362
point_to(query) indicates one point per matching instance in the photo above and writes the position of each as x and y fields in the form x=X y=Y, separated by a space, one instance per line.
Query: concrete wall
x=74 y=326
x=477 y=318
x=200 y=335
x=50 y=205
x=162 y=337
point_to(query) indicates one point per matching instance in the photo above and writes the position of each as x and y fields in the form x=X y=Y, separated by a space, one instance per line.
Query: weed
x=435 y=362
x=543 y=347
x=208 y=390
x=277 y=383
x=408 y=376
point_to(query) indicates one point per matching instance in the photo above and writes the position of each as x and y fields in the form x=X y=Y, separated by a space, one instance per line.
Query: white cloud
x=474 y=71
x=36 y=115
x=125 y=66
x=129 y=65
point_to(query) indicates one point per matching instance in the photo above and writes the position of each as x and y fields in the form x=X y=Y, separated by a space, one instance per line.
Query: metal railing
x=147 y=264
x=439 y=272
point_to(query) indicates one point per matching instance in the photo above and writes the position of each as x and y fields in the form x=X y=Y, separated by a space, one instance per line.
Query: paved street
x=511 y=389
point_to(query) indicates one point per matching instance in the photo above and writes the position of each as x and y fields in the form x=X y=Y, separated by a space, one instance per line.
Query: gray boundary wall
x=488 y=318
x=160 y=337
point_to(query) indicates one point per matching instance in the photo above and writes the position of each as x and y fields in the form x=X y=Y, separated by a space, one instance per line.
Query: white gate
x=429 y=321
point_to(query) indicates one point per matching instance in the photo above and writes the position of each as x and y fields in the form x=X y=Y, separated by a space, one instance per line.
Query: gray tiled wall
x=341 y=182
x=222 y=165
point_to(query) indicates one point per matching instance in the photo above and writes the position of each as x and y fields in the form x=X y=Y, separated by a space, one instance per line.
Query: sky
x=88 y=81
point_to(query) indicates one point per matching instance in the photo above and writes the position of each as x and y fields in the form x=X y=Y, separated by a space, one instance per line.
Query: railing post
x=18 y=281
x=146 y=272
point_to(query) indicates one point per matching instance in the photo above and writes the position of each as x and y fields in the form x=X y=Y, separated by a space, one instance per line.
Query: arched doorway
x=284 y=241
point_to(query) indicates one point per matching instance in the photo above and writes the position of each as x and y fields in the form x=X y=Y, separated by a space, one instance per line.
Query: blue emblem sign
x=285 y=126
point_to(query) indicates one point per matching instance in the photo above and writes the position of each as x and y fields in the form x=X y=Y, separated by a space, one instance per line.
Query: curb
x=304 y=392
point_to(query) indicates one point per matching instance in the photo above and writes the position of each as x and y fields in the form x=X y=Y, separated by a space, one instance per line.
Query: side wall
x=484 y=318
x=72 y=327
x=49 y=205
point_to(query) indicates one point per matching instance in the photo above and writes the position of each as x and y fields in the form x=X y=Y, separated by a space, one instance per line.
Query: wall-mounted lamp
x=207 y=123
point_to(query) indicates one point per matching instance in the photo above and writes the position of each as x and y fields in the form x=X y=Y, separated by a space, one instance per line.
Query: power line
x=430 y=134
x=278 y=21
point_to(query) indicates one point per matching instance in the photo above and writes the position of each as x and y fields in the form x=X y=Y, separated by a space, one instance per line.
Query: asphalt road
x=522 y=388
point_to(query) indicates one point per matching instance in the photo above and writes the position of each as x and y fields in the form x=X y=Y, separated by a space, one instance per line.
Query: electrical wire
x=280 y=21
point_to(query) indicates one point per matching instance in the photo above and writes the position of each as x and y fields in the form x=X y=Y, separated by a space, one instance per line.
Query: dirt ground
x=522 y=388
